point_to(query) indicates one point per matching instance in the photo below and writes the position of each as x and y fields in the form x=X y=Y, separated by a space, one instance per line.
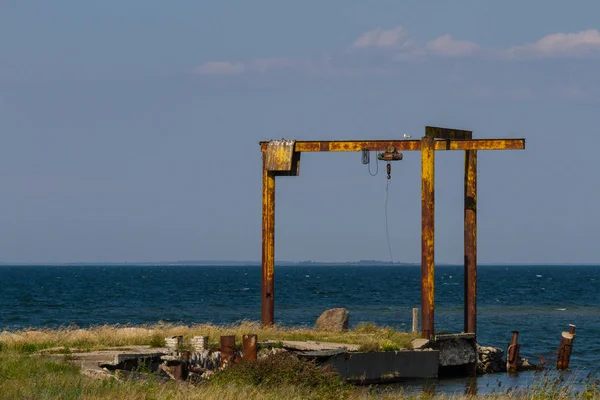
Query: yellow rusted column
x=268 y=246
x=427 y=230
x=470 y=274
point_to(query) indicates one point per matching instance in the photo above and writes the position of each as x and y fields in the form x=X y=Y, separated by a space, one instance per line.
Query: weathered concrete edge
x=385 y=366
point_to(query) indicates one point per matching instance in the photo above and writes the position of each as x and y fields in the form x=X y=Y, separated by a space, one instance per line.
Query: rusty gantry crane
x=282 y=157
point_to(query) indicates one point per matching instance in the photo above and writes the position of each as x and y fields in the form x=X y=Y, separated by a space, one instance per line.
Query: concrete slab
x=388 y=366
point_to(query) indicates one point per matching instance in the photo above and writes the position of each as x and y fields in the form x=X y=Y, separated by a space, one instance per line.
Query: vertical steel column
x=268 y=246
x=427 y=231
x=470 y=272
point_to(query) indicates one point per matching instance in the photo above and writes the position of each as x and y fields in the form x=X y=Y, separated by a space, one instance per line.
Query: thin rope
x=387 y=231
x=376 y=165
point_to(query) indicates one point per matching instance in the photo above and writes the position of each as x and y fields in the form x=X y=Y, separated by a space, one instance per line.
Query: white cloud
x=220 y=68
x=396 y=46
x=383 y=38
x=447 y=46
x=559 y=44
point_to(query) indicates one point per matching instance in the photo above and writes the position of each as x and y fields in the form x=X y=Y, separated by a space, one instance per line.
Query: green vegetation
x=283 y=370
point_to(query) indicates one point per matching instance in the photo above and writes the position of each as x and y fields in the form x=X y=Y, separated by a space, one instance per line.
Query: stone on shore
x=335 y=320
x=490 y=360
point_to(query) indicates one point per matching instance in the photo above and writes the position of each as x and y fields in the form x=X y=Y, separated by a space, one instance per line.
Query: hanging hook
x=389 y=171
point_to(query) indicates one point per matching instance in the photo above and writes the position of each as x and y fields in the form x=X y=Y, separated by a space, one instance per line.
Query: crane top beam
x=403 y=145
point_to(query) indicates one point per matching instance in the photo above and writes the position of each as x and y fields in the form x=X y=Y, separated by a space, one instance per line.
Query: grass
x=33 y=377
x=30 y=377
x=368 y=336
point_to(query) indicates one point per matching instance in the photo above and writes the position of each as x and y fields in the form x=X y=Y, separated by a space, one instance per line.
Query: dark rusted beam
x=404 y=145
x=427 y=236
x=250 y=347
x=470 y=267
x=268 y=247
x=445 y=133
x=227 y=350
x=512 y=356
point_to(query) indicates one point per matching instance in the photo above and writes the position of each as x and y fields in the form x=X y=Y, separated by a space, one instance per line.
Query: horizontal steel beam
x=404 y=145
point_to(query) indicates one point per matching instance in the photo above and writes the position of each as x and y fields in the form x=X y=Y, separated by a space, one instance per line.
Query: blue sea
x=538 y=301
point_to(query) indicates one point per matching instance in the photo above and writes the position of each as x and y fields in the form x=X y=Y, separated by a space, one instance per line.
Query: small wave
x=539 y=276
x=308 y=276
x=560 y=309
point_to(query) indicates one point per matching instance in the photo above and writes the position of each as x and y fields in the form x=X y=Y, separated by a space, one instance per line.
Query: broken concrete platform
x=385 y=366
x=91 y=362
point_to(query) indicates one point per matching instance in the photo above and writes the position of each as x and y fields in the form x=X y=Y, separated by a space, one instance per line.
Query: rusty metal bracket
x=282 y=158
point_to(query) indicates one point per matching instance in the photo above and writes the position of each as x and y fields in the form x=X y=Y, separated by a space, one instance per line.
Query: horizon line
x=304 y=262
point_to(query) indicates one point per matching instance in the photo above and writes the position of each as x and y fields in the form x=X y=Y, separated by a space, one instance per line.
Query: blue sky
x=129 y=130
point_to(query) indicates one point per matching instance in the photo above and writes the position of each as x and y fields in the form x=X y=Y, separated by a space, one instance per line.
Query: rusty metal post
x=250 y=347
x=268 y=246
x=227 y=350
x=512 y=355
x=470 y=268
x=564 y=350
x=427 y=235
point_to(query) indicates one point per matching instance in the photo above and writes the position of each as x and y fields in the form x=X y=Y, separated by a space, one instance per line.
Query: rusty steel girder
x=403 y=145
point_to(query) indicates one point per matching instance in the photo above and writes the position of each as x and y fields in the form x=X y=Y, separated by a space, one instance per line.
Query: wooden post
x=415 y=320
x=470 y=267
x=427 y=236
x=268 y=247
x=566 y=345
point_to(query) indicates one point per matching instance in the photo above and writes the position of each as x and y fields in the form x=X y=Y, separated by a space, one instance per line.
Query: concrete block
x=388 y=366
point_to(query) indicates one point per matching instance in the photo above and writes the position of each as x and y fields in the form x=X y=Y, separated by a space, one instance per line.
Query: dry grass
x=368 y=336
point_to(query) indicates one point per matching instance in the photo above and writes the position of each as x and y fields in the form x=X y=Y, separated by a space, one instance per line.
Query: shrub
x=284 y=370
x=157 y=341
x=389 y=346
